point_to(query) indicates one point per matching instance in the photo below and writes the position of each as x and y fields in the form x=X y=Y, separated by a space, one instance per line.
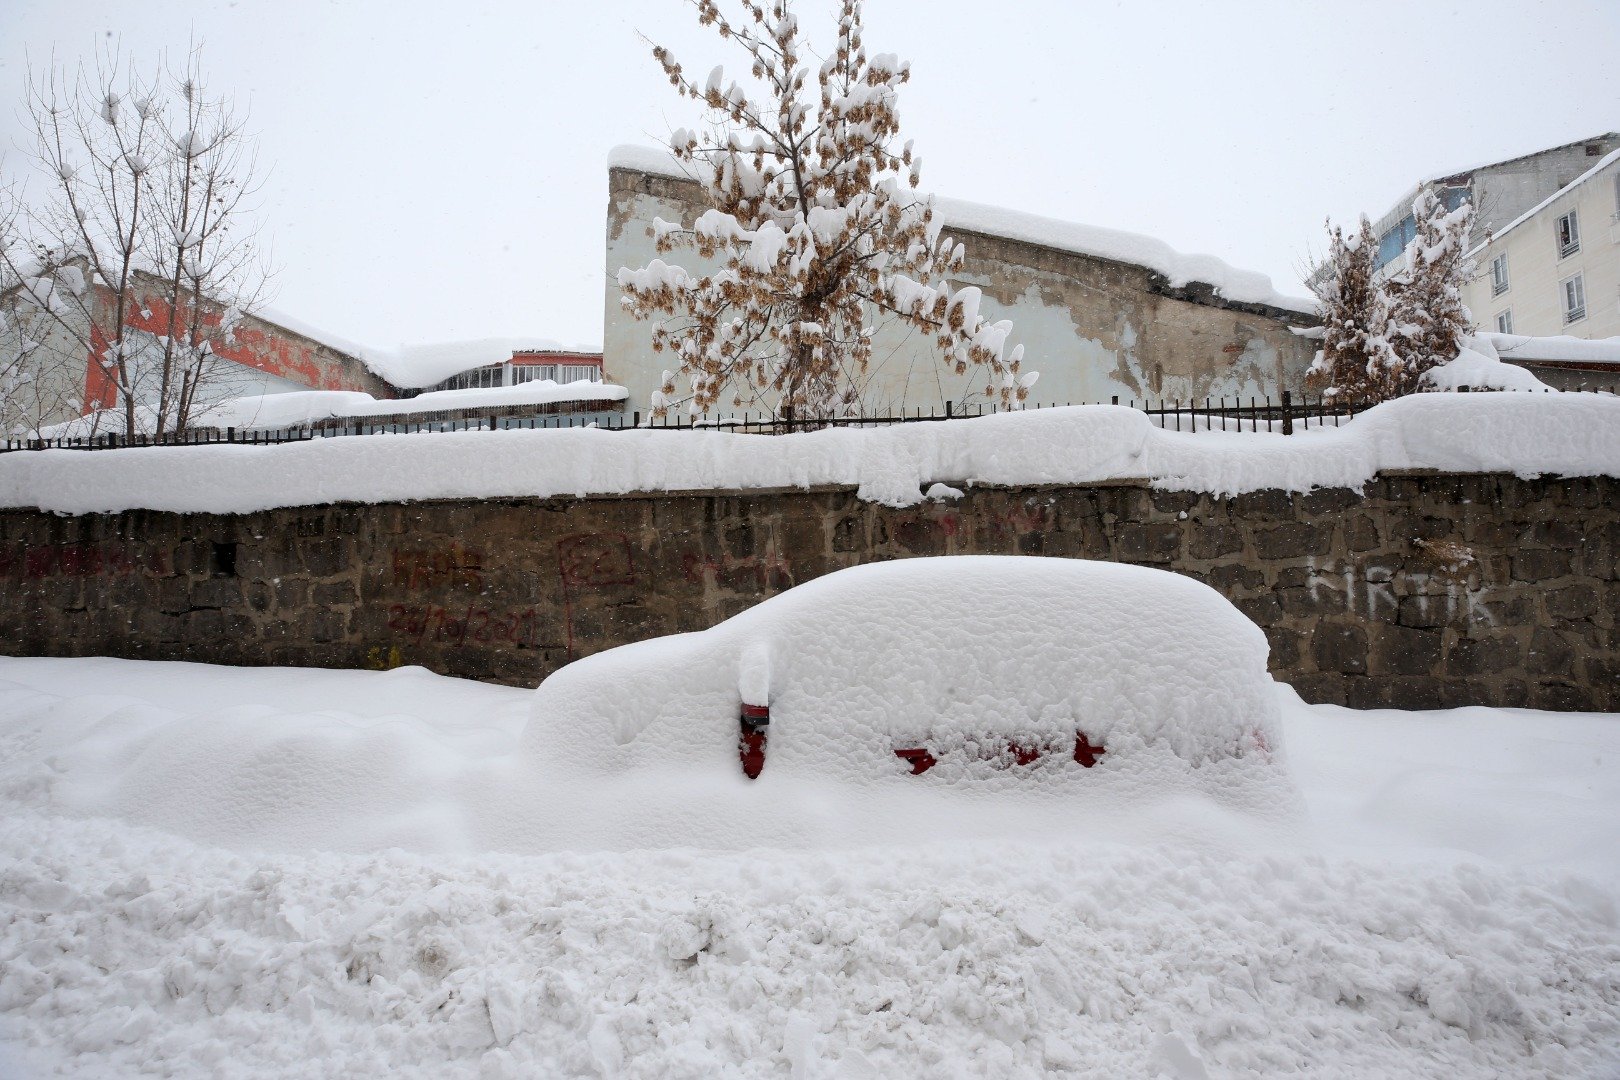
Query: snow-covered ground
x=211 y=871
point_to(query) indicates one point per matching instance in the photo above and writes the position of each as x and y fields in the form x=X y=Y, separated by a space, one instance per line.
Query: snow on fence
x=1283 y=415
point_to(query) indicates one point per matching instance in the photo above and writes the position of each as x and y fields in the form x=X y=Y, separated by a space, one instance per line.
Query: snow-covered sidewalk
x=248 y=872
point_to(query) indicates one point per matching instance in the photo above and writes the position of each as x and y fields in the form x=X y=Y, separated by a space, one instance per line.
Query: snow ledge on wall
x=1526 y=434
x=1239 y=286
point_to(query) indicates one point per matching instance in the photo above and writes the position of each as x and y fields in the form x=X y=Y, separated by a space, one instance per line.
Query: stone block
x=1419 y=692
x=338 y=592
x=1482 y=656
x=1400 y=650
x=1550 y=653
x=1534 y=566
x=1560 y=696
x=216 y=593
x=1572 y=602
x=1340 y=647
x=1292 y=540
x=1263 y=505
x=1285 y=644
x=1175 y=502
x=1156 y=543
x=1361 y=532
x=1213 y=541
x=1321 y=688
x=1306 y=601
x=1429 y=611
x=1327 y=501
x=1364 y=692
x=1235 y=578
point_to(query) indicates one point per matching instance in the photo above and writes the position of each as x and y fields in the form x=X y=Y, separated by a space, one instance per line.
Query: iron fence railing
x=1286 y=414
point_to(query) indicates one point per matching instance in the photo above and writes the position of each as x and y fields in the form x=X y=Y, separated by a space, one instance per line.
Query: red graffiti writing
x=442 y=569
x=474 y=625
x=591 y=561
x=1021 y=519
x=761 y=571
x=595 y=559
x=37 y=561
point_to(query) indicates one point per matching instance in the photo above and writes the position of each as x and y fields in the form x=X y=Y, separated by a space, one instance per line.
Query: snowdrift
x=1430 y=926
x=1520 y=433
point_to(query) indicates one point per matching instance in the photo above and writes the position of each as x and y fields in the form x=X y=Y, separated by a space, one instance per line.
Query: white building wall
x=1537 y=271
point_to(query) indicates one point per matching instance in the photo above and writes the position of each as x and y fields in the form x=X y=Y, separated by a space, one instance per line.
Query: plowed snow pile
x=228 y=872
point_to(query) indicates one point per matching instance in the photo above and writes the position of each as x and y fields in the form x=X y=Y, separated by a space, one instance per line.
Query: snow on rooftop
x=301 y=408
x=1522 y=433
x=1562 y=347
x=1604 y=162
x=1241 y=286
x=412 y=367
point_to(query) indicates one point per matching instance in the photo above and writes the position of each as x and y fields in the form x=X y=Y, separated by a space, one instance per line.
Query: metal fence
x=1286 y=414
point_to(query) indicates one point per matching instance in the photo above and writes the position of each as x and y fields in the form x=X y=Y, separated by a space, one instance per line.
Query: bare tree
x=141 y=235
x=816 y=232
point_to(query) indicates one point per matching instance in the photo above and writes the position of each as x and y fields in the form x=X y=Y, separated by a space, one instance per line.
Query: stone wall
x=1426 y=590
x=1094 y=328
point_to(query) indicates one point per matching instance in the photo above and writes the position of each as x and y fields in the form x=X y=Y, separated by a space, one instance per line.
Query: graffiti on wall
x=38 y=561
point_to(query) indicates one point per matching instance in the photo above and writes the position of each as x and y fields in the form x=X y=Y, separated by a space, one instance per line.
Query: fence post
x=948 y=406
x=1288 y=412
x=1114 y=400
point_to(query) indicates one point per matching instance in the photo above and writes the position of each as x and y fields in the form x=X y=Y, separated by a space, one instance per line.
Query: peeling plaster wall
x=1093 y=328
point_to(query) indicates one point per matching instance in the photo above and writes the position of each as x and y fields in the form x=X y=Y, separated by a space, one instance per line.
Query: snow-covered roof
x=1477 y=166
x=273 y=411
x=411 y=367
x=1241 y=286
x=1588 y=350
x=1402 y=206
x=1604 y=162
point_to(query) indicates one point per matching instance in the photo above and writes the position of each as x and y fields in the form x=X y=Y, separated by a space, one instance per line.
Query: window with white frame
x=580 y=373
x=523 y=373
x=1499 y=275
x=1574 y=290
x=1568 y=232
x=1504 y=322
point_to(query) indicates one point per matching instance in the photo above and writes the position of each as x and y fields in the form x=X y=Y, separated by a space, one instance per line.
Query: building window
x=533 y=373
x=1504 y=322
x=1499 y=275
x=1393 y=243
x=1574 y=299
x=1568 y=232
x=580 y=373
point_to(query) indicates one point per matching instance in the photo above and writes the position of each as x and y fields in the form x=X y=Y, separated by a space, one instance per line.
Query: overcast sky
x=438 y=170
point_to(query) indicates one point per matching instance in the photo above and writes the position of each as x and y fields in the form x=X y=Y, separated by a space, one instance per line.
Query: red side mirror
x=751 y=743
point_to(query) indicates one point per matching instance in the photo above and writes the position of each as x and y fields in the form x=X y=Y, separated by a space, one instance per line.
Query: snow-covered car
x=985 y=667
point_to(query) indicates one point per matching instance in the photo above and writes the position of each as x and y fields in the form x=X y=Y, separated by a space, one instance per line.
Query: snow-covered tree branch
x=817 y=227
x=1381 y=337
